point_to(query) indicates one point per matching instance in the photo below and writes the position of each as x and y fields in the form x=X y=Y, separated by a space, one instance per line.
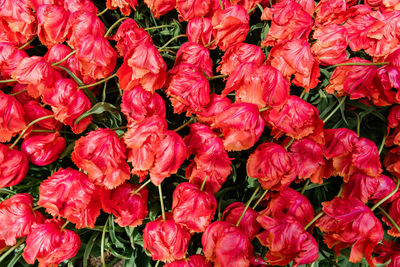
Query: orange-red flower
x=70 y=194
x=230 y=26
x=193 y=8
x=248 y=223
x=77 y=5
x=216 y=106
x=287 y=241
x=14 y=166
x=272 y=165
x=43 y=149
x=12 y=117
x=160 y=7
x=124 y=5
x=166 y=240
x=34 y=110
x=387 y=251
x=50 y=244
x=56 y=53
x=10 y=57
x=240 y=53
x=226 y=245
x=52 y=24
x=196 y=55
x=193 y=208
x=349 y=223
x=394 y=213
x=329 y=12
x=192 y=261
x=199 y=30
x=17 y=218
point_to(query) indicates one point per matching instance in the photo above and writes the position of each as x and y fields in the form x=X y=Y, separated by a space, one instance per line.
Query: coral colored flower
x=394 y=213
x=294 y=57
x=248 y=223
x=102 y=155
x=349 y=223
x=310 y=159
x=392 y=161
x=81 y=24
x=230 y=26
x=143 y=66
x=226 y=245
x=272 y=165
x=192 y=261
x=22 y=97
x=50 y=244
x=166 y=240
x=34 y=110
x=367 y=188
x=289 y=202
x=70 y=194
x=17 y=218
x=160 y=7
x=211 y=161
x=52 y=24
x=14 y=166
x=57 y=53
x=138 y=104
x=193 y=8
x=37 y=74
x=366 y=157
x=216 y=106
x=331 y=44
x=188 y=89
x=297 y=119
x=241 y=125
x=288 y=21
x=68 y=103
x=197 y=55
x=199 y=30
x=128 y=207
x=10 y=57
x=249 y=5
x=43 y=149
x=287 y=241
x=77 y=5
x=329 y=12
x=393 y=123
x=192 y=208
x=387 y=251
x=264 y=87
x=240 y=53
x=124 y=5
x=12 y=117
x=129 y=36
x=96 y=57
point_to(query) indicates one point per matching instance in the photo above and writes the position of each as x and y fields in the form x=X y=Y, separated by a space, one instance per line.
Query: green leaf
x=99 y=108
x=89 y=247
x=114 y=239
x=67 y=150
x=16 y=257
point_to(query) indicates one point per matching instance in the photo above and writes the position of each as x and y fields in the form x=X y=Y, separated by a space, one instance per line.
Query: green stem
x=114 y=25
x=103 y=237
x=27 y=43
x=183 y=125
x=260 y=199
x=358 y=124
x=319 y=215
x=18 y=93
x=247 y=205
x=261 y=8
x=159 y=27
x=171 y=40
x=210 y=43
x=217 y=77
x=203 y=183
x=221 y=5
x=263 y=109
x=65 y=225
x=395 y=225
x=11 y=249
x=302 y=94
x=388 y=196
x=305 y=187
x=8 y=81
x=102 y=12
x=382 y=144
x=98 y=82
x=335 y=109
x=161 y=202
x=64 y=59
x=28 y=126
x=358 y=64
x=141 y=187
x=289 y=144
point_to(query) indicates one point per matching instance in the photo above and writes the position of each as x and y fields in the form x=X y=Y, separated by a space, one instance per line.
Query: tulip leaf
x=99 y=108
x=16 y=257
x=89 y=247
x=114 y=239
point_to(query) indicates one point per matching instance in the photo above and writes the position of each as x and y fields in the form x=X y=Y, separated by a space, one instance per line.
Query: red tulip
x=128 y=207
x=52 y=24
x=240 y=53
x=349 y=223
x=10 y=57
x=102 y=155
x=17 y=217
x=249 y=5
x=216 y=106
x=287 y=241
x=226 y=245
x=289 y=202
x=77 y=5
x=50 y=244
x=191 y=9
x=328 y=12
x=57 y=53
x=22 y=97
x=248 y=223
x=166 y=240
x=394 y=212
x=14 y=166
x=160 y=7
x=70 y=194
x=188 y=89
x=272 y=165
x=392 y=161
x=197 y=55
x=192 y=208
x=43 y=149
x=387 y=251
x=199 y=30
x=124 y=5
x=230 y=26
x=34 y=110
x=192 y=261
x=12 y=117
x=241 y=125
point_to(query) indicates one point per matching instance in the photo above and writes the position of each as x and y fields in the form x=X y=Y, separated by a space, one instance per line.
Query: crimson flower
x=34 y=110
x=394 y=212
x=196 y=55
x=387 y=251
x=52 y=24
x=199 y=30
x=124 y=5
x=216 y=106
x=248 y=223
x=193 y=8
x=192 y=261
x=160 y=7
x=10 y=57
x=56 y=53
x=12 y=117
x=14 y=166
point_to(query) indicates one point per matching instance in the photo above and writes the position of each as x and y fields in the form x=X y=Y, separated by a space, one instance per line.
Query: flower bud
x=12 y=117
x=43 y=149
x=14 y=166
x=102 y=155
x=70 y=194
x=52 y=24
x=199 y=30
x=50 y=244
x=193 y=208
x=196 y=55
x=248 y=223
x=17 y=217
x=166 y=240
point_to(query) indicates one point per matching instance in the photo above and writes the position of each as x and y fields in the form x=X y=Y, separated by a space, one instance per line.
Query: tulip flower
x=196 y=55
x=52 y=24
x=248 y=223
x=34 y=110
x=216 y=106
x=192 y=261
x=14 y=166
x=387 y=251
x=124 y=6
x=10 y=57
x=12 y=117
x=57 y=53
x=199 y=30
x=160 y=7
